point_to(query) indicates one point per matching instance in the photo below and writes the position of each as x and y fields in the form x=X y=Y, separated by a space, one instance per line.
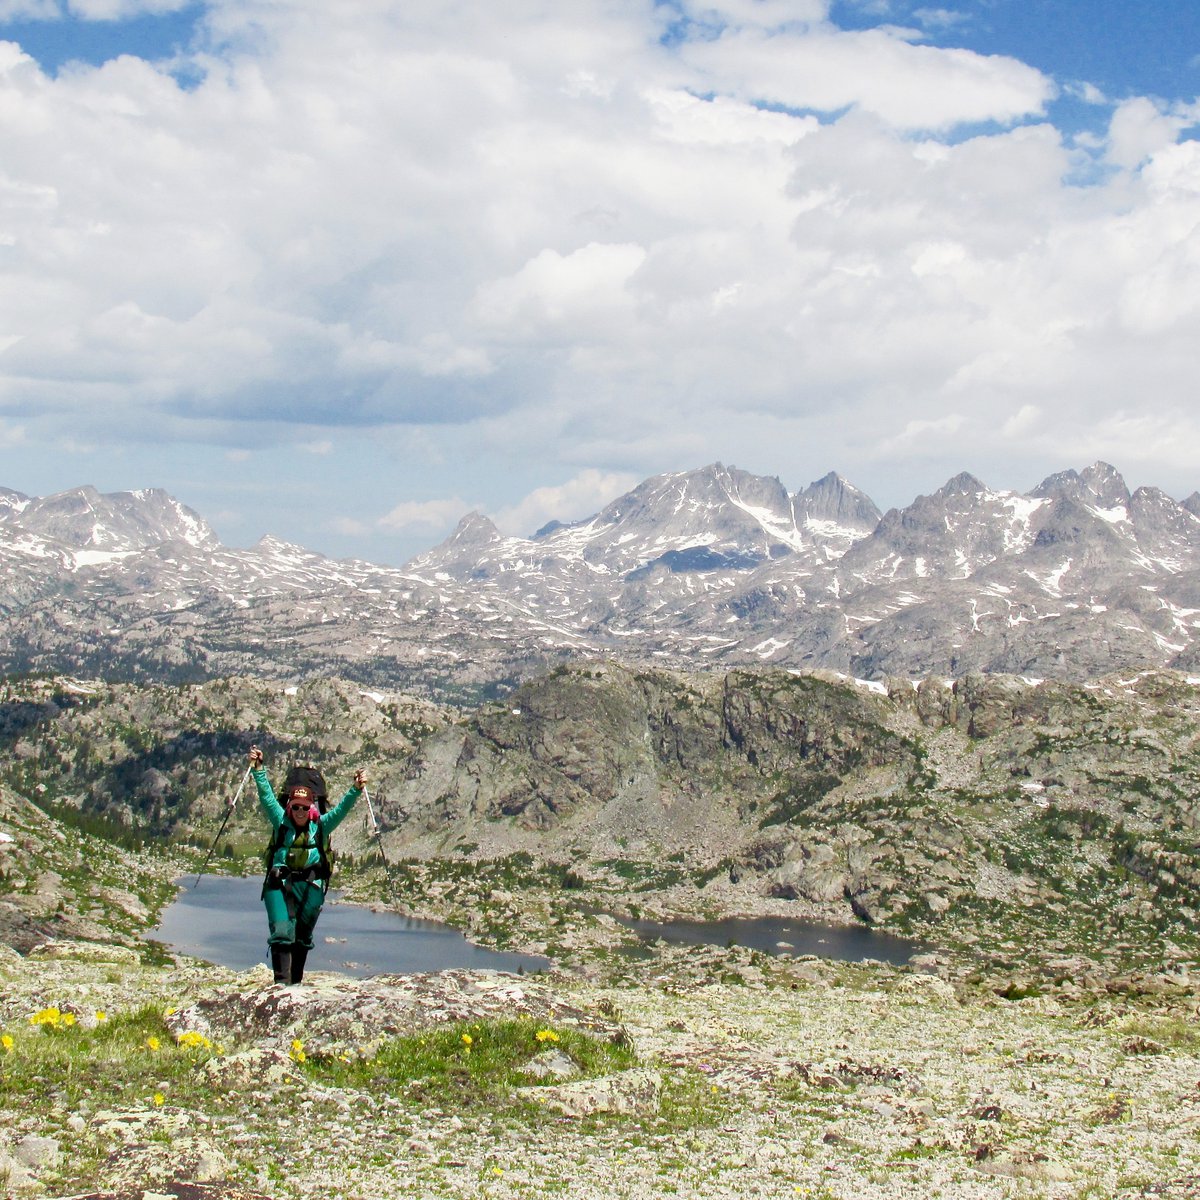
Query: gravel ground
x=816 y=1080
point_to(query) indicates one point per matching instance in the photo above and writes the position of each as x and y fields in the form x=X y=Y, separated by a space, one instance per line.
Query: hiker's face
x=299 y=812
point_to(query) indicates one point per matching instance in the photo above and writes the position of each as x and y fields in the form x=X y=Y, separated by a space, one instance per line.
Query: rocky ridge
x=1029 y=824
x=709 y=568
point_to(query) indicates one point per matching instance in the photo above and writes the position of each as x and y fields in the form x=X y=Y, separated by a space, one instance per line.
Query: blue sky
x=342 y=274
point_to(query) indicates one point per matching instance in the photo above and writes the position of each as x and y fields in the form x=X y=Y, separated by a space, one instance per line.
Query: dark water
x=779 y=935
x=223 y=921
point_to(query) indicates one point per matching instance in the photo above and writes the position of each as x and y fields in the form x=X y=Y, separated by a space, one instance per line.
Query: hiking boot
x=281 y=963
x=299 y=958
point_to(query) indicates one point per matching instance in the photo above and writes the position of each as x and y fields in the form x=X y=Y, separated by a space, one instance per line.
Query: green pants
x=292 y=912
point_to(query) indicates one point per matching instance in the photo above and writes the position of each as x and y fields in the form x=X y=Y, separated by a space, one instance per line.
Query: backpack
x=311 y=778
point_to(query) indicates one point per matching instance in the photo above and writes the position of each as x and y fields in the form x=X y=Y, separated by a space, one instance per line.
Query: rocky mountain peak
x=475 y=529
x=715 y=505
x=86 y=519
x=11 y=502
x=713 y=566
x=962 y=484
x=1104 y=481
x=474 y=538
x=831 y=498
x=1099 y=485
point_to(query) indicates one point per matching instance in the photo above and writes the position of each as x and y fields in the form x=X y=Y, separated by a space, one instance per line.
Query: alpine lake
x=221 y=920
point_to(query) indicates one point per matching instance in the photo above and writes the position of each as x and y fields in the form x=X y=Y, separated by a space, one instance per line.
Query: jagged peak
x=474 y=529
x=270 y=544
x=1106 y=482
x=1101 y=483
x=962 y=484
x=833 y=498
x=12 y=501
x=1192 y=504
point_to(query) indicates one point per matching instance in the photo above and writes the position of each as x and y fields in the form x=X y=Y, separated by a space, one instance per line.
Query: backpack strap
x=324 y=868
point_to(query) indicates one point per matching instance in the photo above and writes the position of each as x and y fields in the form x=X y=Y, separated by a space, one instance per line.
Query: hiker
x=298 y=866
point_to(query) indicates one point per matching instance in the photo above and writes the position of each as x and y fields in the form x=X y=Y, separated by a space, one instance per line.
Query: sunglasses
x=299 y=807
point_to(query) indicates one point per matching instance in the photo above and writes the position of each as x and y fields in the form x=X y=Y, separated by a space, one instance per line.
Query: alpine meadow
x=430 y=769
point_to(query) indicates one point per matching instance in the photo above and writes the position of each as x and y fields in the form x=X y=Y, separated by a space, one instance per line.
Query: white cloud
x=29 y=10
x=1140 y=128
x=11 y=435
x=580 y=497
x=939 y=18
x=909 y=86
x=348 y=526
x=423 y=516
x=123 y=10
x=766 y=14
x=543 y=231
x=586 y=286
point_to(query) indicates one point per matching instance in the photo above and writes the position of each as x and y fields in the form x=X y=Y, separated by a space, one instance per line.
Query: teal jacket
x=304 y=857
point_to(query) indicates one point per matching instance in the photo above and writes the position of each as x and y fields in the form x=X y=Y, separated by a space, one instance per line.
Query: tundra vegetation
x=1039 y=839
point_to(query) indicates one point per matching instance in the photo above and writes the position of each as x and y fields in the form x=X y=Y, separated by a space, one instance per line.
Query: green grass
x=473 y=1065
x=1173 y=1032
x=123 y=1058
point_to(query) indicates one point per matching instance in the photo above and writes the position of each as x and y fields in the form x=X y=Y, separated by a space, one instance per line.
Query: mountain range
x=713 y=567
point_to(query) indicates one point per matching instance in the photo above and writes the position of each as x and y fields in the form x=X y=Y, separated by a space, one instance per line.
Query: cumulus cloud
x=423 y=516
x=909 y=86
x=1141 y=127
x=617 y=233
x=122 y=10
x=580 y=497
x=939 y=18
x=29 y=10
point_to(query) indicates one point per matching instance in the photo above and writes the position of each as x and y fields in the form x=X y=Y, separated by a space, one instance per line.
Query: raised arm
x=337 y=814
x=271 y=807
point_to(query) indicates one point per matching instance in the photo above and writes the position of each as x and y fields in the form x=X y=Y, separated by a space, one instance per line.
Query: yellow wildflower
x=68 y=1019
x=170 y=1012
x=467 y=1039
x=298 y=1054
x=159 y=1099
x=7 y=1042
x=47 y=1016
x=194 y=1039
x=152 y=1043
x=101 y=1015
x=497 y=1170
x=546 y=1035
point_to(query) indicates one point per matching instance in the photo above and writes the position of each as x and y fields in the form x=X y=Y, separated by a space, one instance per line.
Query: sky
x=343 y=273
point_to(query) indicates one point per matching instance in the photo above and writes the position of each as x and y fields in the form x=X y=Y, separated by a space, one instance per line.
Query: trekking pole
x=228 y=813
x=379 y=838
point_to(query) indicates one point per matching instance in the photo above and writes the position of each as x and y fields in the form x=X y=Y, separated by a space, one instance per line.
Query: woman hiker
x=298 y=871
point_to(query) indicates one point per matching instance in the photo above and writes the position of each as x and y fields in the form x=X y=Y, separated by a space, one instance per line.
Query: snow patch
x=96 y=558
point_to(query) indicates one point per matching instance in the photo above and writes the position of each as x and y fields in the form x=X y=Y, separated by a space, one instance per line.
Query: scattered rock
x=552 y=1064
x=37 y=1152
x=636 y=1092
x=86 y=951
x=251 y=1068
x=334 y=1011
x=1142 y=1045
x=1038 y=1167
